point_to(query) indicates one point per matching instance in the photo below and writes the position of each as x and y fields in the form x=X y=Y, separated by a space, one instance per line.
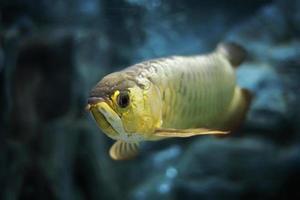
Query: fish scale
x=205 y=78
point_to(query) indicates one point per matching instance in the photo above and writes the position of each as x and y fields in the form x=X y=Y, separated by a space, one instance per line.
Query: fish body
x=178 y=96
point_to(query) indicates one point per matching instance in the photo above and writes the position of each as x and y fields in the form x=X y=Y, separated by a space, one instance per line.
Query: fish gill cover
x=53 y=52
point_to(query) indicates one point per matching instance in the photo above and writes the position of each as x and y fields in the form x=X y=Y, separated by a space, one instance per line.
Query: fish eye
x=123 y=99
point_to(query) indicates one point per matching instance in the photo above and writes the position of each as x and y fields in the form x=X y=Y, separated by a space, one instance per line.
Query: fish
x=171 y=97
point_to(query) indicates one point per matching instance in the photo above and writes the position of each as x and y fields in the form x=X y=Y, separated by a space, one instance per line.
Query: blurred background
x=52 y=52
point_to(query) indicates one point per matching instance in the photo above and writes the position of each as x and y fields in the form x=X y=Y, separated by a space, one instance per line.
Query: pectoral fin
x=121 y=150
x=168 y=132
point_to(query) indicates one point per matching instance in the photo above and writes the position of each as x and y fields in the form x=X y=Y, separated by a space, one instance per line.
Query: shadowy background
x=52 y=52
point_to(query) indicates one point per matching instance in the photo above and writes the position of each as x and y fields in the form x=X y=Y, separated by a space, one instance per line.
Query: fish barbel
x=178 y=96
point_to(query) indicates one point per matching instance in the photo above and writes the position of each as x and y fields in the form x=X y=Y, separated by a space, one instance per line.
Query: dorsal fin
x=121 y=150
x=234 y=52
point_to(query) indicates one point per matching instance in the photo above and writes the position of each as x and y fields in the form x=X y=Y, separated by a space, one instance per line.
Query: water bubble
x=164 y=188
x=171 y=172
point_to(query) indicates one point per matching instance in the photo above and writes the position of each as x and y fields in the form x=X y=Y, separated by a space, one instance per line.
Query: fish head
x=126 y=108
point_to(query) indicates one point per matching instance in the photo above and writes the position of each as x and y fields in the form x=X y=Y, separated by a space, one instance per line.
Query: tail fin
x=235 y=53
x=239 y=106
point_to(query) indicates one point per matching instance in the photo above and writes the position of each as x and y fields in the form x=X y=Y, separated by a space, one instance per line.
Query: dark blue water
x=52 y=52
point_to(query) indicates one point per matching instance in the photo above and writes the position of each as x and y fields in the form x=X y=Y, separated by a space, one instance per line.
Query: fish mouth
x=106 y=118
x=94 y=100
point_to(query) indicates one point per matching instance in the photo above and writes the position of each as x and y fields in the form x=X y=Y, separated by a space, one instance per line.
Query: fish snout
x=94 y=100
